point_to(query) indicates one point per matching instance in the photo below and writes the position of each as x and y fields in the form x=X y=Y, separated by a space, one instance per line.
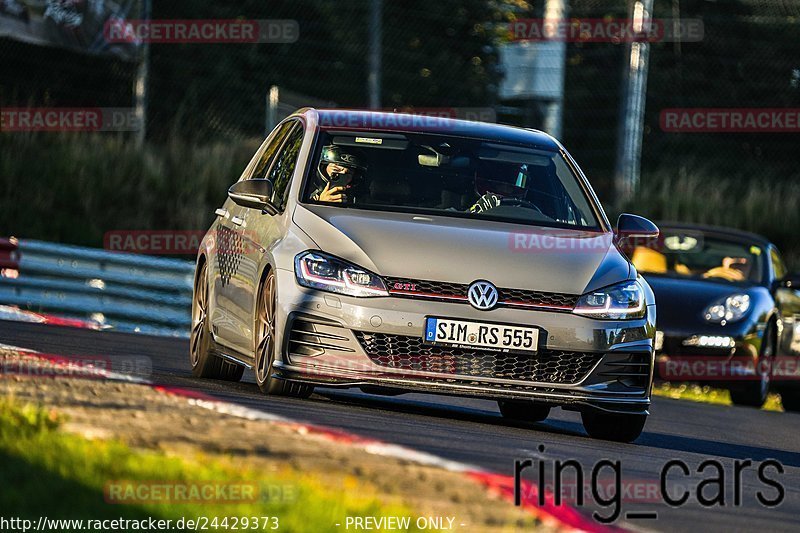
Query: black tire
x=204 y=363
x=613 y=427
x=264 y=349
x=754 y=393
x=790 y=399
x=523 y=411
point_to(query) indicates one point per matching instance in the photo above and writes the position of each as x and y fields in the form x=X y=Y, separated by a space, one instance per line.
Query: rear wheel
x=791 y=400
x=265 y=329
x=523 y=411
x=754 y=393
x=204 y=363
x=614 y=427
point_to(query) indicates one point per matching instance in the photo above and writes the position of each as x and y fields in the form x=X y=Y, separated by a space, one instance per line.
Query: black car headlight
x=618 y=302
x=321 y=271
x=728 y=309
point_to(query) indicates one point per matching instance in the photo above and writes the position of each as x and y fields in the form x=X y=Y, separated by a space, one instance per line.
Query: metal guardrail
x=123 y=291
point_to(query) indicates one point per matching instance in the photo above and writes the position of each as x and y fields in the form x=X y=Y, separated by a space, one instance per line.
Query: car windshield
x=693 y=254
x=451 y=176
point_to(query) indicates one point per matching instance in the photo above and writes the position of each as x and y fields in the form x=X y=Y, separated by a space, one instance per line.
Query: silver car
x=401 y=253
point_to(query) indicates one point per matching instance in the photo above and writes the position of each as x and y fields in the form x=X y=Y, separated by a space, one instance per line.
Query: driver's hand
x=485 y=202
x=335 y=194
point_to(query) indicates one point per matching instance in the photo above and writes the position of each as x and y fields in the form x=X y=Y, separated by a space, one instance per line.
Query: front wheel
x=266 y=329
x=754 y=393
x=614 y=427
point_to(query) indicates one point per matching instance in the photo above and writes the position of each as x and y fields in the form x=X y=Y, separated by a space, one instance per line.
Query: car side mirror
x=634 y=226
x=255 y=194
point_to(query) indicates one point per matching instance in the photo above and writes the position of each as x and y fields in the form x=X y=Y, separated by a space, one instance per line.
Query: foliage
x=66 y=474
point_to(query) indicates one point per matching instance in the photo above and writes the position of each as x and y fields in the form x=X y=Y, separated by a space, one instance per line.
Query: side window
x=283 y=170
x=271 y=150
x=778 y=267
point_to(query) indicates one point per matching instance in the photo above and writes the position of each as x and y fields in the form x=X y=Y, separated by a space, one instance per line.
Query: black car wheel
x=754 y=393
x=524 y=411
x=614 y=427
x=266 y=332
x=204 y=363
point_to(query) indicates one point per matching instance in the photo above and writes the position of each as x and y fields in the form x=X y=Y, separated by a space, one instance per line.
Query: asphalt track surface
x=472 y=431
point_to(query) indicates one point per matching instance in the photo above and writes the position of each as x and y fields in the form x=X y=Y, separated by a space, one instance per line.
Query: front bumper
x=709 y=354
x=375 y=343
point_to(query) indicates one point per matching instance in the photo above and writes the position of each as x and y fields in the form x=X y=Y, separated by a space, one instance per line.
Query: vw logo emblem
x=482 y=295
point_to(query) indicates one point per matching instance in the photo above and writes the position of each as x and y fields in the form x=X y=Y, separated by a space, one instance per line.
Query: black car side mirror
x=256 y=194
x=634 y=226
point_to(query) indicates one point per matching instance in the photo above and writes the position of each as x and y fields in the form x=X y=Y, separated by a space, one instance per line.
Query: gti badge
x=482 y=295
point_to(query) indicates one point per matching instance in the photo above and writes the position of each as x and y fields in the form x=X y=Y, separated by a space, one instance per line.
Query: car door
x=261 y=231
x=231 y=275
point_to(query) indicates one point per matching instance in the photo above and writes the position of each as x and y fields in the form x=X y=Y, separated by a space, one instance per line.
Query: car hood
x=682 y=301
x=459 y=250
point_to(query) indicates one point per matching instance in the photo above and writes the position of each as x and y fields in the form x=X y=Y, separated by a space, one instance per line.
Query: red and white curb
x=20 y=315
x=561 y=517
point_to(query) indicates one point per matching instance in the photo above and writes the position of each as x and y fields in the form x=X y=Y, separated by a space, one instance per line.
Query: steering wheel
x=519 y=202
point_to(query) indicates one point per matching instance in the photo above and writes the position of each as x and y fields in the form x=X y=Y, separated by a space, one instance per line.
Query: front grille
x=538 y=298
x=438 y=288
x=410 y=288
x=410 y=353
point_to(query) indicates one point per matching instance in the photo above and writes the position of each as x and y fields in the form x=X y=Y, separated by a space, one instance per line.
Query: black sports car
x=728 y=311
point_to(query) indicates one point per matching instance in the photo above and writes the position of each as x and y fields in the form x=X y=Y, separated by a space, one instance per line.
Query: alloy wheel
x=265 y=348
x=199 y=316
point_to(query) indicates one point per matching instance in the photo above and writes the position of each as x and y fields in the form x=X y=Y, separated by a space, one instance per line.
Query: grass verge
x=705 y=394
x=47 y=471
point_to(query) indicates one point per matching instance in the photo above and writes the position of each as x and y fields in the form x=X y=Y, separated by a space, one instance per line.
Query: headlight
x=324 y=272
x=619 y=302
x=729 y=309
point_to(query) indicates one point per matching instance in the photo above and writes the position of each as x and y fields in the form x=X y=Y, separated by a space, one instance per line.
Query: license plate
x=481 y=335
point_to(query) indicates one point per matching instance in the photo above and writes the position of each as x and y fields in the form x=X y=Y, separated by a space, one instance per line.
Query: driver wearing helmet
x=492 y=192
x=337 y=171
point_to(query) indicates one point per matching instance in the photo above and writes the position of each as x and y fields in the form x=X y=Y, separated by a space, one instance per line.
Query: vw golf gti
x=403 y=253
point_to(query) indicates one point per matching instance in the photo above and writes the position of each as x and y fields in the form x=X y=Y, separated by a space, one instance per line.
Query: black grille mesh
x=431 y=287
x=545 y=299
x=412 y=354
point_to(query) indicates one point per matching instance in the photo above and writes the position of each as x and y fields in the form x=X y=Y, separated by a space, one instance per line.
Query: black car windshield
x=694 y=254
x=443 y=175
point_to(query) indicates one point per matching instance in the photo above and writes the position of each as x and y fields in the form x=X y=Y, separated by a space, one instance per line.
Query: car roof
x=719 y=231
x=348 y=119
